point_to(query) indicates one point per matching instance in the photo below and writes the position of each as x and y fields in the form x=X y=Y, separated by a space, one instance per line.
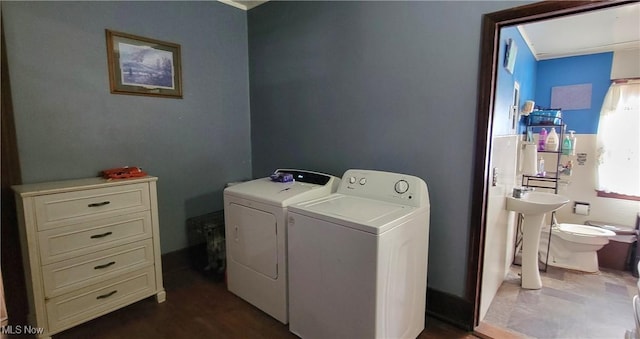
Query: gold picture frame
x=143 y=66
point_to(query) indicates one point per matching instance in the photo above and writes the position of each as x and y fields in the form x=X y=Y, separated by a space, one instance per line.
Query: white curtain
x=619 y=139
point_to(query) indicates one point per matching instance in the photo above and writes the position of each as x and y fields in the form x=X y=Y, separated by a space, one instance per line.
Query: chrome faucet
x=521 y=192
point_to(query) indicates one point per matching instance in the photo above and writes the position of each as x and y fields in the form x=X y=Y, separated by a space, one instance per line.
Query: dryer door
x=253 y=239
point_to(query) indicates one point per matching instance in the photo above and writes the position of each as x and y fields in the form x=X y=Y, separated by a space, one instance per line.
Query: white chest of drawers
x=90 y=246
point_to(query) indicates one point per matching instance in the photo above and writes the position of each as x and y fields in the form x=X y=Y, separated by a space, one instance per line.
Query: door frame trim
x=492 y=23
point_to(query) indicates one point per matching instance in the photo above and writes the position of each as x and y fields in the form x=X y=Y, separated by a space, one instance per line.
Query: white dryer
x=358 y=259
x=255 y=215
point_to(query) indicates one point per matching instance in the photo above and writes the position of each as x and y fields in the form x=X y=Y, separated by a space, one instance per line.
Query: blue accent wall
x=592 y=69
x=524 y=73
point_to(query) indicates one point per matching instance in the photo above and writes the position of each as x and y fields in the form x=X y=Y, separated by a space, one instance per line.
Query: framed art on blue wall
x=510 y=56
x=143 y=66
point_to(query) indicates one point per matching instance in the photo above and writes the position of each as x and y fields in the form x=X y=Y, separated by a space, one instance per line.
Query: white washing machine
x=358 y=259
x=255 y=215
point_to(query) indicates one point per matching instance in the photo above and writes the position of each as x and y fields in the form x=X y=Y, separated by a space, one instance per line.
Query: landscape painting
x=143 y=66
x=146 y=66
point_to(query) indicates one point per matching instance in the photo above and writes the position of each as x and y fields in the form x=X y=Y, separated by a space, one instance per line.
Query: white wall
x=625 y=64
x=500 y=225
x=581 y=186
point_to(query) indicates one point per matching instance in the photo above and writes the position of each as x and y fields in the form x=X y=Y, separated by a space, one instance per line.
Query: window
x=619 y=142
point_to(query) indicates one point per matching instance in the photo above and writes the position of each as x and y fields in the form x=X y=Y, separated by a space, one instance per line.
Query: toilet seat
x=583 y=234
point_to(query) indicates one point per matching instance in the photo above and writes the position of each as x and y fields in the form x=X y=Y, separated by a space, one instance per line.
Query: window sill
x=604 y=194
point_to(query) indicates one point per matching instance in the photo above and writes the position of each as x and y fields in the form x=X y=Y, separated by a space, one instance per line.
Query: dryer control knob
x=352 y=180
x=363 y=181
x=401 y=186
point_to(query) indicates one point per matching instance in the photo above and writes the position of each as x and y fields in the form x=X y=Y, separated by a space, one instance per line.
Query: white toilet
x=573 y=246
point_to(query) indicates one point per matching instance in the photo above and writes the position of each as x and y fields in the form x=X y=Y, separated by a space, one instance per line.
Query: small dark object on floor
x=211 y=226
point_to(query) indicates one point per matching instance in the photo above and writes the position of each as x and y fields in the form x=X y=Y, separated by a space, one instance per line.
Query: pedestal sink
x=534 y=207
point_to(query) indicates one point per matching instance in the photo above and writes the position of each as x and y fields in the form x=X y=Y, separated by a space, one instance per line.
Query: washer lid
x=360 y=213
x=278 y=193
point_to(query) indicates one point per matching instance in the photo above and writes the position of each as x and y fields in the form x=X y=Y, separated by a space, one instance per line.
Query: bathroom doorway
x=492 y=25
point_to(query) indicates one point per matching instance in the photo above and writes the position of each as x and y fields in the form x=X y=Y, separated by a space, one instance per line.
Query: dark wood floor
x=198 y=306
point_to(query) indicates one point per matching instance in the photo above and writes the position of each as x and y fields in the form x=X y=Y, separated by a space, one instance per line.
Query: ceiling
x=606 y=30
x=616 y=28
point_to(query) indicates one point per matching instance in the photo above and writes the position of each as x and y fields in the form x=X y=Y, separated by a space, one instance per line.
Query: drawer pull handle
x=98 y=204
x=105 y=296
x=101 y=235
x=99 y=267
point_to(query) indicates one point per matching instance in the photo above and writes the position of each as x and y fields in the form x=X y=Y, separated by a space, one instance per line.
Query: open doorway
x=492 y=24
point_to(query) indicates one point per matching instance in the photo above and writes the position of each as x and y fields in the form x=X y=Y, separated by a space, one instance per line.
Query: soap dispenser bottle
x=542 y=139
x=573 y=139
x=552 y=141
x=541 y=171
x=566 y=145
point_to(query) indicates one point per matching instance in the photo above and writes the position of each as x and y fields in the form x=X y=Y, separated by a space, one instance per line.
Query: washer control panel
x=386 y=186
x=401 y=186
x=361 y=181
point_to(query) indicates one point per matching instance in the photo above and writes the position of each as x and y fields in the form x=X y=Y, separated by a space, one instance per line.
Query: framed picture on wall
x=510 y=56
x=143 y=66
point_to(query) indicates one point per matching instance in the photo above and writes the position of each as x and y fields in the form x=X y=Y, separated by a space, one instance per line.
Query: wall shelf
x=551 y=178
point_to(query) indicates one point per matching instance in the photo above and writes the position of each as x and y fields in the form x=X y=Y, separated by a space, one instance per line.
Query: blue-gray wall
x=334 y=85
x=70 y=126
x=379 y=85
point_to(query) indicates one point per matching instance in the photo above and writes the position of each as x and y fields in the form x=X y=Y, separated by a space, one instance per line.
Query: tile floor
x=570 y=304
